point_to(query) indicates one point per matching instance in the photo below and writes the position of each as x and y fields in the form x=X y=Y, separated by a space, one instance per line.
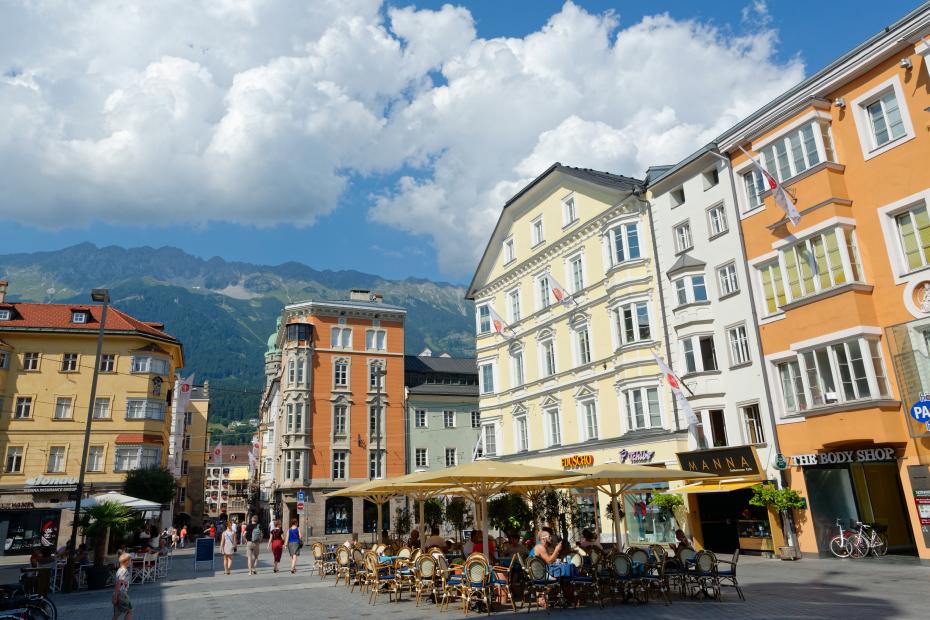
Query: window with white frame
x=14 y=459
x=63 y=408
x=633 y=322
x=699 y=353
x=136 y=457
x=107 y=362
x=69 y=362
x=716 y=221
x=690 y=289
x=23 y=408
x=754 y=186
x=340 y=373
x=341 y=338
x=5 y=315
x=847 y=371
x=547 y=357
x=420 y=418
x=885 y=119
x=186 y=442
x=298 y=418
x=30 y=361
x=521 y=433
x=739 y=345
x=484 y=319
x=476 y=419
x=582 y=344
x=683 y=239
x=95 y=459
x=78 y=316
x=818 y=263
x=536 y=231
x=642 y=406
x=102 y=408
x=542 y=292
x=727 y=281
x=340 y=420
x=291 y=372
x=489 y=437
x=144 y=409
x=300 y=371
x=376 y=376
x=289 y=420
x=513 y=305
x=376 y=340
x=421 y=458
x=509 y=251
x=517 y=375
x=576 y=271
x=147 y=364
x=448 y=419
x=913 y=228
x=752 y=424
x=569 y=211
x=340 y=462
x=375 y=421
x=589 y=419
x=56 y=459
x=486 y=378
x=451 y=457
x=624 y=243
x=797 y=151
x=553 y=427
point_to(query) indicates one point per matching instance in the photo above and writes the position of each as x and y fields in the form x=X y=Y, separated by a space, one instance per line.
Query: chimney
x=360 y=294
x=427 y=352
x=3 y=285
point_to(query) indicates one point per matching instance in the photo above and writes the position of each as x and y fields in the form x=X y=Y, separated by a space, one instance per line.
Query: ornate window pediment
x=545 y=334
x=584 y=392
x=550 y=402
x=519 y=409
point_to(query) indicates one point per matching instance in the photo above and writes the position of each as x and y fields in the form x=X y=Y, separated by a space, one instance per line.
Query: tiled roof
x=607 y=179
x=58 y=317
x=236 y=455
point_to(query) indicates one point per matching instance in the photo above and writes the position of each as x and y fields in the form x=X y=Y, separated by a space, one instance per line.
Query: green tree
x=433 y=512
x=510 y=512
x=459 y=515
x=402 y=523
x=105 y=519
x=155 y=484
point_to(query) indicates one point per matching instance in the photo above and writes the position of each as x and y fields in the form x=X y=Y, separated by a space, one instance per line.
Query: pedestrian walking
x=294 y=543
x=253 y=534
x=121 y=603
x=183 y=536
x=228 y=547
x=276 y=543
x=242 y=528
x=175 y=538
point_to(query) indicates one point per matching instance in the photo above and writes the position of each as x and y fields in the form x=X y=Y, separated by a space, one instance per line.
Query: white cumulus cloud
x=261 y=112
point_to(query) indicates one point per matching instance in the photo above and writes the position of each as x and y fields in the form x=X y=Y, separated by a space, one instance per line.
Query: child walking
x=121 y=603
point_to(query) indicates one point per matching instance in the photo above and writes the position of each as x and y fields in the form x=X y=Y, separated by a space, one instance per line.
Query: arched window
x=338 y=515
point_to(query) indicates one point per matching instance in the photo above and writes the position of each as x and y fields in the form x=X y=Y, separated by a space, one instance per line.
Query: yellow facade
x=196 y=448
x=604 y=392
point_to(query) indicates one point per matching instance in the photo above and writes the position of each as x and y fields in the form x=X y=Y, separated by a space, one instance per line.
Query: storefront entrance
x=867 y=492
x=729 y=523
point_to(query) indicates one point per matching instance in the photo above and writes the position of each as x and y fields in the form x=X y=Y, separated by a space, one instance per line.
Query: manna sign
x=577 y=460
x=739 y=461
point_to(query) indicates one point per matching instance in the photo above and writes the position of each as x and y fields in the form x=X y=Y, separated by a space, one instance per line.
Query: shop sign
x=738 y=461
x=51 y=483
x=17 y=506
x=920 y=411
x=577 y=460
x=922 y=499
x=780 y=462
x=636 y=456
x=840 y=457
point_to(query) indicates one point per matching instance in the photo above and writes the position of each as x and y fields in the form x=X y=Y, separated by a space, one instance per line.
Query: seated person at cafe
x=477 y=545
x=514 y=545
x=83 y=558
x=352 y=541
x=683 y=542
x=588 y=541
x=545 y=548
x=414 y=541
x=434 y=539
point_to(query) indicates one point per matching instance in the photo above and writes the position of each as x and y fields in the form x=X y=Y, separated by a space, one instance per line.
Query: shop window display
x=646 y=523
x=27 y=529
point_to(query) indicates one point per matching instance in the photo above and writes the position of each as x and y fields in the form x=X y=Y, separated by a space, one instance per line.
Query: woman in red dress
x=276 y=542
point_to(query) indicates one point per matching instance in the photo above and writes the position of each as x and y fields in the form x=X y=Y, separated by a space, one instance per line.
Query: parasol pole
x=616 y=509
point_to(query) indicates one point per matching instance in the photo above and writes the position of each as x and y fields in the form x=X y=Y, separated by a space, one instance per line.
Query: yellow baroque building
x=576 y=378
x=47 y=354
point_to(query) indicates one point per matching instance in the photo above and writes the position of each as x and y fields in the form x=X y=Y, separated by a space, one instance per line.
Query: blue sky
x=414 y=193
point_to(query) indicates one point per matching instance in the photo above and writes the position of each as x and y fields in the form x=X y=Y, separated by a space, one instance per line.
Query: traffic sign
x=921 y=411
x=300 y=506
x=300 y=496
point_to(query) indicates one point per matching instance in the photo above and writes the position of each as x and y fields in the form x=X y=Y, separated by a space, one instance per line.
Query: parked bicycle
x=16 y=603
x=841 y=545
x=859 y=542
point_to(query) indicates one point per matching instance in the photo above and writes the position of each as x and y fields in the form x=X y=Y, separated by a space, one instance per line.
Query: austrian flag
x=500 y=325
x=559 y=292
x=782 y=199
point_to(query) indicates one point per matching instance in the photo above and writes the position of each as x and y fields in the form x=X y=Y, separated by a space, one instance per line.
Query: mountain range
x=224 y=311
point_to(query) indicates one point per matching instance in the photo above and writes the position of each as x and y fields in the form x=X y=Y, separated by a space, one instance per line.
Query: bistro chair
x=539 y=584
x=343 y=565
x=474 y=585
x=404 y=553
x=450 y=581
x=655 y=580
x=360 y=575
x=149 y=567
x=584 y=580
x=382 y=578
x=727 y=575
x=424 y=572
x=626 y=582
x=640 y=559
x=505 y=579
x=704 y=577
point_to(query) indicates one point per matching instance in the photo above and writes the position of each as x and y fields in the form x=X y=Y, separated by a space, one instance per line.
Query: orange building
x=843 y=298
x=332 y=354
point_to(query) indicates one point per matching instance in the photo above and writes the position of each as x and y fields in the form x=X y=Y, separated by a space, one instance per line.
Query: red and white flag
x=560 y=293
x=500 y=325
x=253 y=454
x=218 y=453
x=184 y=393
x=782 y=199
x=676 y=385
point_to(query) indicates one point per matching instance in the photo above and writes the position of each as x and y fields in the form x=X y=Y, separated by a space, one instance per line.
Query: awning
x=238 y=473
x=714 y=486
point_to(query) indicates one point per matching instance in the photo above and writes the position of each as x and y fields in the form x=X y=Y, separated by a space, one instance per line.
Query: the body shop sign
x=841 y=457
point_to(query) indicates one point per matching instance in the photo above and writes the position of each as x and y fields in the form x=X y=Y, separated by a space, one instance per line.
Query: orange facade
x=855 y=156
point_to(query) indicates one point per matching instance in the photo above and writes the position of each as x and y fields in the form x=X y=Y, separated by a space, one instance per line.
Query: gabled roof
x=685 y=263
x=615 y=182
x=57 y=317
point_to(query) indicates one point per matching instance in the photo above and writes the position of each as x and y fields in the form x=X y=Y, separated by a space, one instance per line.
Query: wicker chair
x=320 y=563
x=381 y=577
x=539 y=583
x=726 y=574
x=424 y=570
x=626 y=582
x=585 y=582
x=343 y=565
x=504 y=579
x=704 y=578
x=475 y=583
x=656 y=580
x=450 y=581
x=360 y=574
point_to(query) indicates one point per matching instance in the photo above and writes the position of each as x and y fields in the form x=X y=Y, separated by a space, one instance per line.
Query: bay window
x=690 y=289
x=150 y=365
x=642 y=406
x=136 y=457
x=914 y=236
x=145 y=409
x=624 y=243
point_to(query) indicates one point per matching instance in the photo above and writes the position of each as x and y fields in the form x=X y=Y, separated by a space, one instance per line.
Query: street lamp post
x=102 y=296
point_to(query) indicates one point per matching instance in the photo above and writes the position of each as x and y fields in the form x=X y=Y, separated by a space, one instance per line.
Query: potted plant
x=668 y=504
x=781 y=502
x=99 y=522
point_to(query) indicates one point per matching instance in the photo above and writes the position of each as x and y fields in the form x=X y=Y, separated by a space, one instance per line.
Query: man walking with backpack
x=253 y=533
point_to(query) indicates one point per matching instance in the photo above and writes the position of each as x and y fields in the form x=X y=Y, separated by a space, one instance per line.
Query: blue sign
x=203 y=551
x=921 y=411
x=300 y=496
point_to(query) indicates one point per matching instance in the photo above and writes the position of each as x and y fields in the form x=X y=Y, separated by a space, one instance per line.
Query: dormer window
x=78 y=316
x=5 y=315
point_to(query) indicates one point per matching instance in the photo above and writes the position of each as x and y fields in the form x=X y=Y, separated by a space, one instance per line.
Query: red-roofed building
x=47 y=356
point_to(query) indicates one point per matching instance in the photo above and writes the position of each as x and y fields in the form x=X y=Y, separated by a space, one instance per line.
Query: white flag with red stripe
x=782 y=199
x=500 y=325
x=560 y=293
x=676 y=384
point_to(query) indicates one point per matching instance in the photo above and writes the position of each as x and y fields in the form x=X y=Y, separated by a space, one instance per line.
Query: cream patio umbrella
x=613 y=479
x=481 y=479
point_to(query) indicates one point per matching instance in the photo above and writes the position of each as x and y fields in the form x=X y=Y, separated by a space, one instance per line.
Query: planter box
x=788 y=553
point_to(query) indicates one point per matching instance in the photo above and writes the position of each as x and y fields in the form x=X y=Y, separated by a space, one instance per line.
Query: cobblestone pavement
x=809 y=589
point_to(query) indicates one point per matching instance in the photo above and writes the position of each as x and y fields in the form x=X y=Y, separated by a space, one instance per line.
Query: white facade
x=707 y=304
